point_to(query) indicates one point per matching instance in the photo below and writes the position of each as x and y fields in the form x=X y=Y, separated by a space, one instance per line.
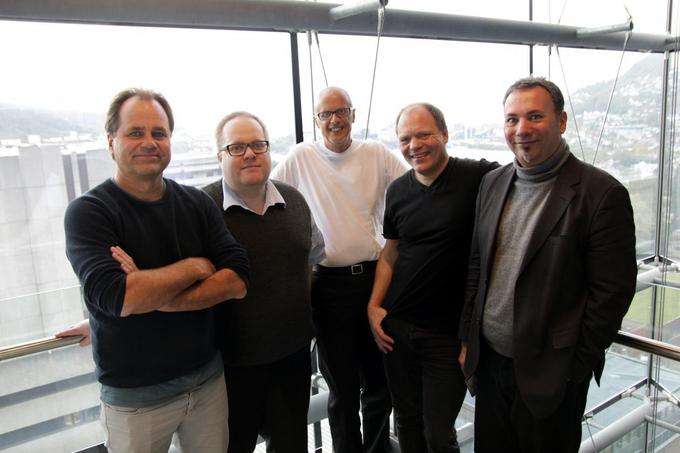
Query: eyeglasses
x=341 y=113
x=239 y=149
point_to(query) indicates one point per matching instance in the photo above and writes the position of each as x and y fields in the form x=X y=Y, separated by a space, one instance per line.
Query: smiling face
x=336 y=130
x=422 y=143
x=533 y=128
x=248 y=171
x=141 y=144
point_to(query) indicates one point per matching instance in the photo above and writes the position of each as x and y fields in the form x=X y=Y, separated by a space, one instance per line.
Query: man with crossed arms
x=152 y=330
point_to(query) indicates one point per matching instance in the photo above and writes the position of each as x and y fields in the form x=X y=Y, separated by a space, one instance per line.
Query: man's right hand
x=375 y=317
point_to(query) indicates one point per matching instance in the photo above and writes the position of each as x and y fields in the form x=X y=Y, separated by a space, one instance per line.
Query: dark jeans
x=504 y=423
x=271 y=400
x=351 y=363
x=427 y=387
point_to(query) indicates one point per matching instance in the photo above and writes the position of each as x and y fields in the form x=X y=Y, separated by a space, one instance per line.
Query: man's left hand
x=126 y=262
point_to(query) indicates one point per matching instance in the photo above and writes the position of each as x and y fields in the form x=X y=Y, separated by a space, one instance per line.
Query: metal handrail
x=655 y=347
x=38 y=293
x=33 y=347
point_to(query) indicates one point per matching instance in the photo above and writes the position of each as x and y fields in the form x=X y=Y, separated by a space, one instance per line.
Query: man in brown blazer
x=552 y=273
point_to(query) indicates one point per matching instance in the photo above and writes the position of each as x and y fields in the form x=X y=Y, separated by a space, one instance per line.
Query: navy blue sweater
x=149 y=348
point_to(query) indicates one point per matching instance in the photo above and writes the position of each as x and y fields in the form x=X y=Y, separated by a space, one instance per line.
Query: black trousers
x=427 y=387
x=351 y=363
x=271 y=400
x=504 y=423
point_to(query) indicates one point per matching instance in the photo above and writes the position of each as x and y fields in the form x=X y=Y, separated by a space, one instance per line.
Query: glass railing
x=49 y=397
x=49 y=400
x=38 y=315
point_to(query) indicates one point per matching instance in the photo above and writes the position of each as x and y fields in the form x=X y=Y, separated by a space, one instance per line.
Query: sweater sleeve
x=90 y=233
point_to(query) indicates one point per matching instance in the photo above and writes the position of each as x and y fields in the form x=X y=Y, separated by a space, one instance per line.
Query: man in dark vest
x=265 y=339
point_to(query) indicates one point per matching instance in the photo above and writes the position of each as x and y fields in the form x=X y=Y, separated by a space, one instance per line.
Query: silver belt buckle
x=357 y=269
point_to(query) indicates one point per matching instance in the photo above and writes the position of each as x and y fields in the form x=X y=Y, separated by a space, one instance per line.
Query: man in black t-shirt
x=417 y=296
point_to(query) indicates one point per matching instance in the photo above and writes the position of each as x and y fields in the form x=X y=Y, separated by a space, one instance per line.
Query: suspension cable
x=564 y=6
x=571 y=104
x=311 y=78
x=381 y=22
x=611 y=95
x=318 y=48
x=590 y=434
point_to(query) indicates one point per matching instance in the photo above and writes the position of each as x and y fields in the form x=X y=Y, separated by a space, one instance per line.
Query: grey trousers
x=199 y=418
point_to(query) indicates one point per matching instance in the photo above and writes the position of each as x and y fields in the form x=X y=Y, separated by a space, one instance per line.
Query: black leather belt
x=355 y=269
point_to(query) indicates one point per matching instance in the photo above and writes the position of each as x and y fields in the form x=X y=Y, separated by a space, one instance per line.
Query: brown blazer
x=576 y=281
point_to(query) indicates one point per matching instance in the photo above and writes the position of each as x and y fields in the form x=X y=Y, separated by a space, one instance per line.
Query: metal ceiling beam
x=280 y=15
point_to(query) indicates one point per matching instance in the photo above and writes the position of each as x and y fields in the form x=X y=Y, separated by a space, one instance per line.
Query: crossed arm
x=383 y=278
x=187 y=285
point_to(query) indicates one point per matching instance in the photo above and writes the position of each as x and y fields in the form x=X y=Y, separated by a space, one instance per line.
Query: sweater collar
x=547 y=169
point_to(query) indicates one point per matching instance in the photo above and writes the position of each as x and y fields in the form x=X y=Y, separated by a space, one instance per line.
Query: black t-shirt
x=434 y=228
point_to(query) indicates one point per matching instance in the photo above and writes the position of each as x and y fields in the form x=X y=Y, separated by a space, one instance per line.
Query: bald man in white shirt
x=344 y=182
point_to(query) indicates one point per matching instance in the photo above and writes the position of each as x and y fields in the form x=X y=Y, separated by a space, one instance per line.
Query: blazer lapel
x=560 y=196
x=492 y=214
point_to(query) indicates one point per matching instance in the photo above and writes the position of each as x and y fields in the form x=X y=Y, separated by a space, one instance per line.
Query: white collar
x=272 y=197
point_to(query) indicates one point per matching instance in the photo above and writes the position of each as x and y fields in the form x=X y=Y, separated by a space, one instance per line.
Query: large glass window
x=57 y=82
x=629 y=145
x=59 y=78
x=52 y=143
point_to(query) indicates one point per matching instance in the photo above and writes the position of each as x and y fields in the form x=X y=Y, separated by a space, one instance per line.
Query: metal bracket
x=605 y=30
x=355 y=8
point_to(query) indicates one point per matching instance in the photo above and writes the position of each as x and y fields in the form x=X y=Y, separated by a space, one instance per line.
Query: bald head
x=334 y=116
x=334 y=93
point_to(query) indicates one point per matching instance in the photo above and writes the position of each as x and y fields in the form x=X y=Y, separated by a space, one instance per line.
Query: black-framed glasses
x=341 y=113
x=239 y=149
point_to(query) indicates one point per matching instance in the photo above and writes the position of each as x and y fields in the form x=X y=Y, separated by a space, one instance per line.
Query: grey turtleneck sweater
x=523 y=207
